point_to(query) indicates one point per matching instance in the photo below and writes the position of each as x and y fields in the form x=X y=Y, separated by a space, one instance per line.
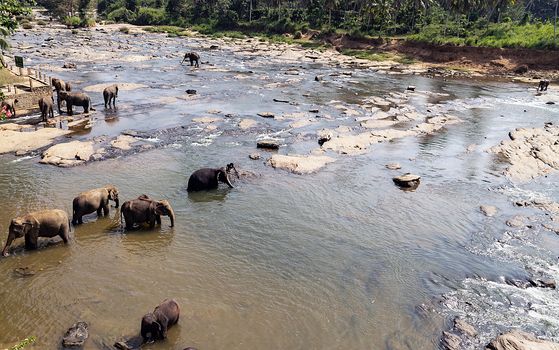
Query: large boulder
x=76 y=335
x=518 y=340
x=299 y=164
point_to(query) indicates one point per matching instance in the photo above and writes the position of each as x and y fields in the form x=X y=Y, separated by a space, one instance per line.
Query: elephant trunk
x=172 y=217
x=8 y=243
x=116 y=203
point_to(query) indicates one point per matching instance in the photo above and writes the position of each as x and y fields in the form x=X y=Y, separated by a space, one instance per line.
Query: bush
x=27 y=26
x=124 y=30
x=88 y=22
x=72 y=21
x=227 y=19
x=122 y=15
x=298 y=35
x=150 y=16
x=41 y=22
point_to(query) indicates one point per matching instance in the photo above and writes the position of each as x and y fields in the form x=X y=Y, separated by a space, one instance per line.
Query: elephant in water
x=209 y=178
x=46 y=105
x=77 y=99
x=193 y=57
x=44 y=223
x=146 y=210
x=110 y=93
x=155 y=324
x=544 y=84
x=94 y=200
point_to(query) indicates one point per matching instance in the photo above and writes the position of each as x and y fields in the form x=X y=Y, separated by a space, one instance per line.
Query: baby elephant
x=10 y=106
x=46 y=105
x=543 y=85
x=44 y=223
x=77 y=99
x=110 y=93
x=193 y=57
x=155 y=324
x=209 y=178
x=146 y=210
x=94 y=200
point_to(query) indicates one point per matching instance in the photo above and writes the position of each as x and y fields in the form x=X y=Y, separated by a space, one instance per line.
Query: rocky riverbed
x=318 y=137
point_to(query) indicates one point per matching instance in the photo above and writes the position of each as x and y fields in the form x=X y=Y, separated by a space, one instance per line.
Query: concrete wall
x=29 y=100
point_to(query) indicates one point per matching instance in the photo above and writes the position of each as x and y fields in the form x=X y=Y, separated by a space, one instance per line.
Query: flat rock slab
x=247 y=124
x=76 y=335
x=121 y=87
x=393 y=166
x=14 y=139
x=518 y=340
x=407 y=180
x=299 y=164
x=488 y=210
x=124 y=142
x=268 y=144
x=70 y=153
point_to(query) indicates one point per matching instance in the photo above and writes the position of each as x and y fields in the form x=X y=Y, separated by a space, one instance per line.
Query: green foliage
x=27 y=26
x=10 y=9
x=72 y=21
x=150 y=16
x=122 y=15
x=124 y=30
x=41 y=22
x=26 y=341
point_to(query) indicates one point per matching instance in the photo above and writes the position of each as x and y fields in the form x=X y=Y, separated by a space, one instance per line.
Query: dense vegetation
x=511 y=23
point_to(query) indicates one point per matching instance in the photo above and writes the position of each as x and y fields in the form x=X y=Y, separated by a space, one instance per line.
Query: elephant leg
x=152 y=222
x=30 y=242
x=69 y=108
x=106 y=209
x=129 y=223
x=75 y=218
x=158 y=219
x=64 y=233
x=100 y=211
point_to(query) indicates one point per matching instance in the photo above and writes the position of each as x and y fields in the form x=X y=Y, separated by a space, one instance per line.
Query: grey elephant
x=75 y=99
x=93 y=200
x=46 y=105
x=110 y=93
x=61 y=85
x=193 y=57
x=44 y=223
x=543 y=85
x=10 y=105
x=209 y=178
x=155 y=324
x=146 y=210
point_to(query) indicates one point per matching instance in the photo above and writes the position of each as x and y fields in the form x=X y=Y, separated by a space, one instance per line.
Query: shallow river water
x=339 y=259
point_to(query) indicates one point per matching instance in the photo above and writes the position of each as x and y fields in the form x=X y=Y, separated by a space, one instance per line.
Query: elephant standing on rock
x=46 y=105
x=110 y=93
x=94 y=200
x=77 y=99
x=44 y=223
x=155 y=324
x=192 y=57
x=146 y=210
x=209 y=178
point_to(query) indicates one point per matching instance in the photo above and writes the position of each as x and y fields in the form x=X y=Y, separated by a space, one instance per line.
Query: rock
x=318 y=78
x=471 y=148
x=214 y=47
x=464 y=328
x=521 y=69
x=247 y=124
x=516 y=221
x=69 y=66
x=393 y=166
x=254 y=156
x=76 y=335
x=410 y=88
x=313 y=111
x=550 y=103
x=407 y=180
x=544 y=283
x=21 y=153
x=280 y=100
x=15 y=139
x=70 y=153
x=268 y=144
x=24 y=271
x=450 y=341
x=518 y=340
x=266 y=115
x=324 y=136
x=191 y=92
x=299 y=164
x=124 y=142
x=488 y=210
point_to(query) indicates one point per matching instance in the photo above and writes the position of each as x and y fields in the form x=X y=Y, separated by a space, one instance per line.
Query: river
x=338 y=259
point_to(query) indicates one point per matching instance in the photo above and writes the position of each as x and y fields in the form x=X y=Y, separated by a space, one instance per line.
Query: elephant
x=544 y=84
x=155 y=324
x=110 y=93
x=75 y=98
x=43 y=223
x=46 y=106
x=146 y=210
x=208 y=178
x=61 y=85
x=193 y=57
x=10 y=106
x=93 y=200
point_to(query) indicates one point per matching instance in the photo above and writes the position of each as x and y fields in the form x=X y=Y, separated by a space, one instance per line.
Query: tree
x=83 y=8
x=9 y=9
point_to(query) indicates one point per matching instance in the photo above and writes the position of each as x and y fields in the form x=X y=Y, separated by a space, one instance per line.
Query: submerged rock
x=393 y=166
x=266 y=114
x=450 y=341
x=488 y=210
x=191 y=92
x=76 y=335
x=464 y=327
x=518 y=340
x=254 y=156
x=299 y=164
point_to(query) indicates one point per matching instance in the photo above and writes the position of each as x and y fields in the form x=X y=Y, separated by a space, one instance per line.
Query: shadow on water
x=219 y=195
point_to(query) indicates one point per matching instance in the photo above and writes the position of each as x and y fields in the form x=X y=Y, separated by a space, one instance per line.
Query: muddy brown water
x=340 y=259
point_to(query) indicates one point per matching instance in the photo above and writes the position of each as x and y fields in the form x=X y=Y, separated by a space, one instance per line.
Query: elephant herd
x=139 y=211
